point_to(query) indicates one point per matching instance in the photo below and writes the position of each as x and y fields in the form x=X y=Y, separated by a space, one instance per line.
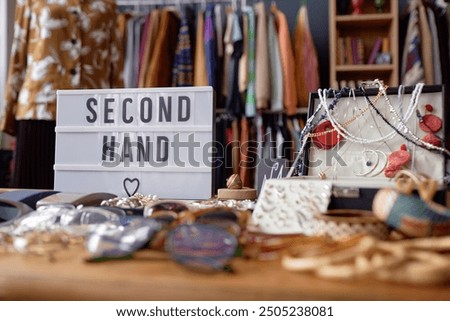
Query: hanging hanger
x=178 y=6
x=273 y=6
x=234 y=5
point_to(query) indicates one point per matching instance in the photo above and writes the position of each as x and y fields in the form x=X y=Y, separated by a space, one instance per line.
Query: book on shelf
x=375 y=50
x=340 y=51
x=354 y=50
x=359 y=51
x=350 y=51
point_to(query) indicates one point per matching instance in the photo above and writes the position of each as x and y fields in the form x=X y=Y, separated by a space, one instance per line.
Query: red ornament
x=325 y=140
x=396 y=161
x=403 y=147
x=390 y=171
x=429 y=108
x=399 y=158
x=432 y=139
x=430 y=123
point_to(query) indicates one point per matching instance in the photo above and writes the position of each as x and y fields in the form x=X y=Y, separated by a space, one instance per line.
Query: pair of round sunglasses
x=205 y=240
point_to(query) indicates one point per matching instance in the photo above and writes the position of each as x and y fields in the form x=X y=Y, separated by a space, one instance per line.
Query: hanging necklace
x=309 y=126
x=403 y=127
x=372 y=164
x=297 y=165
x=349 y=136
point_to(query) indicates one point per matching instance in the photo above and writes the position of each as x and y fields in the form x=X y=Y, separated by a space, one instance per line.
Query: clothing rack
x=176 y=2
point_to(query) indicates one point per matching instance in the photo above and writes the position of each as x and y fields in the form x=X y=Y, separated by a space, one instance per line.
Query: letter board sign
x=123 y=141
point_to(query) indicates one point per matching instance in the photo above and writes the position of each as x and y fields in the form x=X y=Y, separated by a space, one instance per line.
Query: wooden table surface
x=150 y=277
x=154 y=277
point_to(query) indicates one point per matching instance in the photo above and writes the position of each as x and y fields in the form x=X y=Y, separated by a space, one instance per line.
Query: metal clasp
x=345 y=192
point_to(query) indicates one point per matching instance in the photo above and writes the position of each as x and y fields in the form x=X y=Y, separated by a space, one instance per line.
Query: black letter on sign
x=167 y=110
x=160 y=140
x=124 y=111
x=149 y=106
x=108 y=110
x=180 y=108
x=109 y=149
x=89 y=103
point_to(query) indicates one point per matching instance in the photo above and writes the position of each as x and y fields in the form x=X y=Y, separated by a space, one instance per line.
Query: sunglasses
x=204 y=240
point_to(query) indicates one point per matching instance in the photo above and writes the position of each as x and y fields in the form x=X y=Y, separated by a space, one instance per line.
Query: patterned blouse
x=60 y=44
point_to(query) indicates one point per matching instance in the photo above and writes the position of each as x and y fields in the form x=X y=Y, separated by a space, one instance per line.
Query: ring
x=369 y=163
x=385 y=161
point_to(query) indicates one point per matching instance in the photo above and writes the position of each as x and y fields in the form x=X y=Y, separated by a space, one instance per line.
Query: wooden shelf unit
x=367 y=26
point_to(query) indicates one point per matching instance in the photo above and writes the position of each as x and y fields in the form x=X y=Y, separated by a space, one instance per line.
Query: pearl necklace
x=349 y=136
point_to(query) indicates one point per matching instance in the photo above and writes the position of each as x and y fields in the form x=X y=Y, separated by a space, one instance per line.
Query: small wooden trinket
x=235 y=190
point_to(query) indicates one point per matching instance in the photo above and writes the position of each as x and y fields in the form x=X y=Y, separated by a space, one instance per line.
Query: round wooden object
x=244 y=193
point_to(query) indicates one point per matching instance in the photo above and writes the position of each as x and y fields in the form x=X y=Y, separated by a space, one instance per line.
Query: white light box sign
x=123 y=141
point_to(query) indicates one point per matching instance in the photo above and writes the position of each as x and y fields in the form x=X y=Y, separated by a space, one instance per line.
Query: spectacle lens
x=201 y=247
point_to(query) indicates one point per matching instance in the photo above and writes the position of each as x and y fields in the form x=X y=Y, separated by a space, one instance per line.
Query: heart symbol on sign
x=129 y=184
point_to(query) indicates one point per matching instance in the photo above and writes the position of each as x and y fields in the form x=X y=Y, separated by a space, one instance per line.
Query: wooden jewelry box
x=359 y=138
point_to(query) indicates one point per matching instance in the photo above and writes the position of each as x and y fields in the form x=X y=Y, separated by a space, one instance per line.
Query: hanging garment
x=287 y=62
x=218 y=26
x=220 y=144
x=247 y=85
x=35 y=154
x=243 y=62
x=276 y=71
x=152 y=33
x=234 y=104
x=306 y=62
x=250 y=98
x=200 y=74
x=262 y=81
x=412 y=67
x=435 y=43
x=160 y=69
x=68 y=44
x=129 y=54
x=142 y=47
x=210 y=47
x=442 y=18
x=235 y=146
x=426 y=45
x=228 y=51
x=122 y=22
x=133 y=51
x=244 y=148
x=182 y=72
x=219 y=20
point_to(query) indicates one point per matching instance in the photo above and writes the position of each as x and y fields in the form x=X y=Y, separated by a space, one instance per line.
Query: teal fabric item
x=410 y=213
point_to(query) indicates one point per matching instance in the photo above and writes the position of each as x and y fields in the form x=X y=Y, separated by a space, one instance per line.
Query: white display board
x=152 y=141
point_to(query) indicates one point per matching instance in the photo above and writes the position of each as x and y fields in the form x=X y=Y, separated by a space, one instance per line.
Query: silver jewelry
x=349 y=136
x=404 y=128
x=369 y=163
x=381 y=164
